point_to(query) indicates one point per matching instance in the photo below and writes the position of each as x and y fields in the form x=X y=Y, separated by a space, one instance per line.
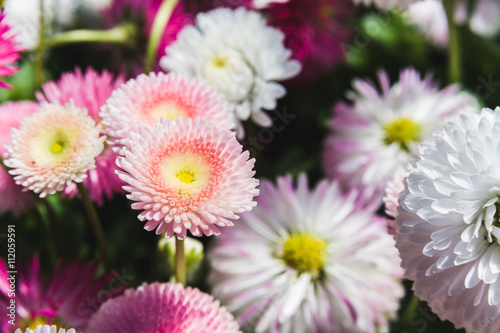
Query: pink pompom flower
x=144 y=100
x=163 y=307
x=187 y=175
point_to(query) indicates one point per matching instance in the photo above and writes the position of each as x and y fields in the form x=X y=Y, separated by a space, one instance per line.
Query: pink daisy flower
x=377 y=134
x=187 y=175
x=144 y=100
x=69 y=298
x=141 y=13
x=163 y=307
x=53 y=147
x=89 y=91
x=307 y=261
x=314 y=31
x=9 y=51
x=13 y=198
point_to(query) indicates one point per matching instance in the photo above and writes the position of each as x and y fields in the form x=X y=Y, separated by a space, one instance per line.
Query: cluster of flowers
x=287 y=258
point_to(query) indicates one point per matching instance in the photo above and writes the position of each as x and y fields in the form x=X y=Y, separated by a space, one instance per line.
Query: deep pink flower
x=9 y=51
x=315 y=32
x=88 y=90
x=163 y=307
x=142 y=13
x=69 y=298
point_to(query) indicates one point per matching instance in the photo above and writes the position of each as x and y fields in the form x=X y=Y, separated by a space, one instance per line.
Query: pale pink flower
x=53 y=147
x=187 y=175
x=144 y=100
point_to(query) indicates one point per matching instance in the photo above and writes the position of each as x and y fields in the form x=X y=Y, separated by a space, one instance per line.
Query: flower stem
x=454 y=48
x=162 y=16
x=95 y=223
x=411 y=308
x=39 y=54
x=122 y=34
x=180 y=262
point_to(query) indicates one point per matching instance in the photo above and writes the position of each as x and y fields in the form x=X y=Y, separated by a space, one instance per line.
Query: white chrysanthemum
x=448 y=223
x=144 y=100
x=388 y=4
x=307 y=261
x=53 y=146
x=239 y=55
x=377 y=134
x=187 y=175
x=46 y=329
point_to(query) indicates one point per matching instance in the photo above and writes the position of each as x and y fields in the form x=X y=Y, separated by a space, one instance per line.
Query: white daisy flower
x=448 y=225
x=239 y=56
x=46 y=329
x=307 y=261
x=377 y=134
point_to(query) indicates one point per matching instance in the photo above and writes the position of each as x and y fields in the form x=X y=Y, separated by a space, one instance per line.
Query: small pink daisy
x=187 y=175
x=88 y=90
x=315 y=31
x=53 y=147
x=163 y=307
x=13 y=198
x=9 y=51
x=69 y=298
x=144 y=100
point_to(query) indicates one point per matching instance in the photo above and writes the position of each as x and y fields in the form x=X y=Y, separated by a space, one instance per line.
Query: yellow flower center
x=402 y=131
x=219 y=62
x=305 y=253
x=186 y=176
x=57 y=147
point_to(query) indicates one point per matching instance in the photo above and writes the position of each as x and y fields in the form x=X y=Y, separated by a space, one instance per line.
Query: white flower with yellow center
x=448 y=222
x=46 y=329
x=147 y=98
x=375 y=136
x=307 y=261
x=53 y=147
x=187 y=175
x=239 y=55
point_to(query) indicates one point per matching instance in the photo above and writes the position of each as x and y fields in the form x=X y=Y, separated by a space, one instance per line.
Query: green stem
x=39 y=54
x=95 y=223
x=180 y=262
x=48 y=222
x=122 y=34
x=411 y=308
x=454 y=48
x=162 y=16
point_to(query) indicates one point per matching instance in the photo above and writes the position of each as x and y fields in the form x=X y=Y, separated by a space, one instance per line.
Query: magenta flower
x=315 y=32
x=9 y=51
x=142 y=13
x=13 y=198
x=89 y=90
x=162 y=307
x=68 y=298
